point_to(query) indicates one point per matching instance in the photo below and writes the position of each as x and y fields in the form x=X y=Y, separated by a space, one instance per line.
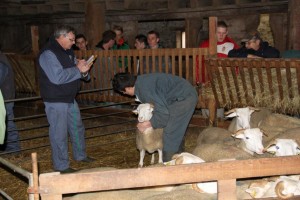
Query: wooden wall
x=92 y=17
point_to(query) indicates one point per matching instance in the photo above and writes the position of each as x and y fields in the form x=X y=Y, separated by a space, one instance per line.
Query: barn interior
x=26 y=25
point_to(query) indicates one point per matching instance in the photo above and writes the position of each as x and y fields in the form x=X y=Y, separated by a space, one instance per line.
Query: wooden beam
x=294 y=25
x=35 y=39
x=196 y=12
x=54 y=183
x=94 y=22
x=212 y=36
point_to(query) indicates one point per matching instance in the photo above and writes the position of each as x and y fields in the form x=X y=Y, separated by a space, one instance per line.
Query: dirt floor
x=109 y=144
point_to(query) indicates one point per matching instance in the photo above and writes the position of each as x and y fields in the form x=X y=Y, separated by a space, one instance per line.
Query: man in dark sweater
x=11 y=142
x=254 y=47
x=60 y=74
x=174 y=100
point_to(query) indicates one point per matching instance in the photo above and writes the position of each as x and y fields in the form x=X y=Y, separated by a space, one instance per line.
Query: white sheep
x=292 y=133
x=287 y=187
x=149 y=140
x=242 y=118
x=216 y=152
x=277 y=124
x=283 y=187
x=188 y=158
x=252 y=140
x=283 y=147
x=248 y=117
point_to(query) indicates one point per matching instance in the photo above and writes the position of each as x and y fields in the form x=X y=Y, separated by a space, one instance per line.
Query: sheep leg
x=142 y=155
x=152 y=158
x=160 y=156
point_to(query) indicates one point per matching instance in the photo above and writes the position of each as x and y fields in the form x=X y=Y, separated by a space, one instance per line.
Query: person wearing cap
x=254 y=47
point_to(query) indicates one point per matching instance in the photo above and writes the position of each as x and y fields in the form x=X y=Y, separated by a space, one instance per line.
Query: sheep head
x=144 y=112
x=252 y=139
x=242 y=115
x=283 y=147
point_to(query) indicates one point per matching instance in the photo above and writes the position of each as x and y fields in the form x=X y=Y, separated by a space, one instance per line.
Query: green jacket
x=162 y=90
x=124 y=46
x=2 y=119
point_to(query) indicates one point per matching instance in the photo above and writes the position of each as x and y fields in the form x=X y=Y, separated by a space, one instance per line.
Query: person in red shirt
x=224 y=45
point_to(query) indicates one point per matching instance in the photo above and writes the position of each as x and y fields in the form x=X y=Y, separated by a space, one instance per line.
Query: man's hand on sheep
x=142 y=126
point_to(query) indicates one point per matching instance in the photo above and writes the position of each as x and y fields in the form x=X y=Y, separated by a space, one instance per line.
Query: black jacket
x=265 y=51
x=50 y=92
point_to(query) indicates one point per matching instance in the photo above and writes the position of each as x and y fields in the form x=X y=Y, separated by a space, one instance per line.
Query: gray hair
x=63 y=30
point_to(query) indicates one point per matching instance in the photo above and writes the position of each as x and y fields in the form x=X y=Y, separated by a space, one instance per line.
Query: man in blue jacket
x=254 y=47
x=174 y=100
x=59 y=75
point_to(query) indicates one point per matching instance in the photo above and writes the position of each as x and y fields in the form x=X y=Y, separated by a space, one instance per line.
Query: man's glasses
x=71 y=40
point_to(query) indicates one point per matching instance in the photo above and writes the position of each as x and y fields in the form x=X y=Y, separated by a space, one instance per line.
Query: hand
x=142 y=126
x=253 y=56
x=83 y=66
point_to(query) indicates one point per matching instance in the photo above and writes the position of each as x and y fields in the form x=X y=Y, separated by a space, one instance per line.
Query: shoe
x=88 y=160
x=68 y=170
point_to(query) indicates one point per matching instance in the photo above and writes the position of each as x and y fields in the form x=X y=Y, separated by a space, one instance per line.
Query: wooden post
x=227 y=189
x=294 y=25
x=35 y=39
x=212 y=36
x=94 y=22
x=35 y=176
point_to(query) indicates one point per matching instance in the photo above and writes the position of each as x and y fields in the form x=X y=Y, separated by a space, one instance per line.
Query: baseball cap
x=251 y=36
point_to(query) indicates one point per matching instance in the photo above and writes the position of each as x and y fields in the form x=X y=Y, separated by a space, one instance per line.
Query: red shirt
x=222 y=49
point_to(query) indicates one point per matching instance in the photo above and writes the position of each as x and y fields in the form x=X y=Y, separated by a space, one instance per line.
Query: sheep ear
x=230 y=111
x=239 y=134
x=253 y=108
x=135 y=112
x=273 y=143
x=231 y=115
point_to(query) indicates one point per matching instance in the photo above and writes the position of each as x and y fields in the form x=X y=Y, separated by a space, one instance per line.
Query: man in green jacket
x=174 y=100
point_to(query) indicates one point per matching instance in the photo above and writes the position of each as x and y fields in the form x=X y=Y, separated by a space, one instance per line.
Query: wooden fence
x=53 y=185
x=271 y=83
x=180 y=62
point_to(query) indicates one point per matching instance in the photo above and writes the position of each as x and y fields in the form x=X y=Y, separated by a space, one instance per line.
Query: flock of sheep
x=253 y=133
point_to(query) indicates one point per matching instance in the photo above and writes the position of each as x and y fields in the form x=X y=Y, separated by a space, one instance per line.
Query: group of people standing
x=114 y=40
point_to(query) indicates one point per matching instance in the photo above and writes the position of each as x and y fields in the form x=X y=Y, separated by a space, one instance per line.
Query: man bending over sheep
x=174 y=100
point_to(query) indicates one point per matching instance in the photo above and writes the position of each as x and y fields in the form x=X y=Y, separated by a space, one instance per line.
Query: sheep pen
x=106 y=149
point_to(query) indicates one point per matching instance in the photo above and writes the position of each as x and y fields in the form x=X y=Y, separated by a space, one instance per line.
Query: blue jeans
x=11 y=141
x=65 y=118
